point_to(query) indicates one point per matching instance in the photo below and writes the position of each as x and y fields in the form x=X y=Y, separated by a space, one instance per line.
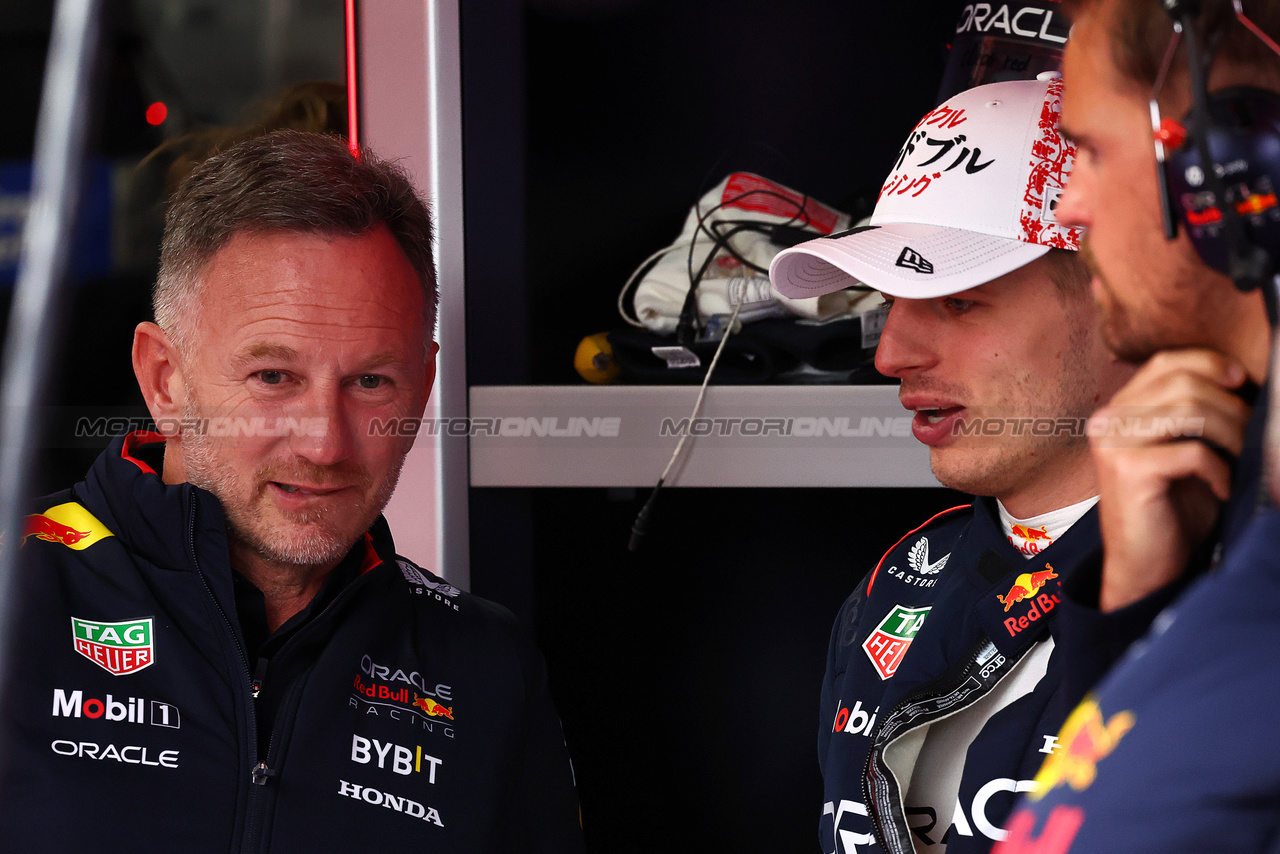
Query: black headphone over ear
x=1220 y=169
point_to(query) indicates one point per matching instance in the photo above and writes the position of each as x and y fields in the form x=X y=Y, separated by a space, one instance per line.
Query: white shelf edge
x=622 y=436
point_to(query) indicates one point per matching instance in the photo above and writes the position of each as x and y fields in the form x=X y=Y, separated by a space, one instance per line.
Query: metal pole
x=61 y=133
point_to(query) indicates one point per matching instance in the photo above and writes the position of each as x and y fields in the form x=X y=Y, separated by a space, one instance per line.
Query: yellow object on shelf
x=594 y=360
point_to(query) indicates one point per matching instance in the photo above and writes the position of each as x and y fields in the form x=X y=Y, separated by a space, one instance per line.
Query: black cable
x=689 y=325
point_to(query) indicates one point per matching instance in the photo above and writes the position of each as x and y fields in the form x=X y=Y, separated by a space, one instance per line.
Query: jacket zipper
x=255 y=795
x=263 y=770
x=884 y=797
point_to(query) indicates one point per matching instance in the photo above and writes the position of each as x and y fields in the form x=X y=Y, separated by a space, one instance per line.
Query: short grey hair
x=287 y=181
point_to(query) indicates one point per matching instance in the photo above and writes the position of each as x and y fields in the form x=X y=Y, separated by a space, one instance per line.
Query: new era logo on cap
x=913 y=260
x=973 y=196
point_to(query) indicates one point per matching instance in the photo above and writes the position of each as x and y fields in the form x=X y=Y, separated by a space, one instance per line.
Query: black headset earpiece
x=1220 y=169
x=1242 y=138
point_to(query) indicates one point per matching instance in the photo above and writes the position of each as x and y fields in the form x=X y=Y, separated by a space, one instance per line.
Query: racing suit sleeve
x=843 y=633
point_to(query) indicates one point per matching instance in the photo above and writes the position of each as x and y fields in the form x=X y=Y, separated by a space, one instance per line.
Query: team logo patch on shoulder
x=424 y=586
x=918 y=558
x=920 y=572
x=889 y=641
x=69 y=524
x=413 y=575
x=118 y=648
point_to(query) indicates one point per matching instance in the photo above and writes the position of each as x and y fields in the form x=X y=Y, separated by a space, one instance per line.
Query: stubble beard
x=1119 y=331
x=313 y=539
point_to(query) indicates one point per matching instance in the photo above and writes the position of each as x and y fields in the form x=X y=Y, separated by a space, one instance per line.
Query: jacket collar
x=1017 y=593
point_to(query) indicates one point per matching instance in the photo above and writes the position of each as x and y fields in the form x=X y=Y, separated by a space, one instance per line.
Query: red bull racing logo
x=1085 y=740
x=1026 y=586
x=69 y=524
x=1030 y=541
x=432 y=708
x=404 y=696
x=889 y=641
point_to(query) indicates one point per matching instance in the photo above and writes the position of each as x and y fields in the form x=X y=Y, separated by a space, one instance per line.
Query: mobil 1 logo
x=132 y=710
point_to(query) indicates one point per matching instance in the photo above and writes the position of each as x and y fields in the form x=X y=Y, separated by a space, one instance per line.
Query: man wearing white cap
x=943 y=693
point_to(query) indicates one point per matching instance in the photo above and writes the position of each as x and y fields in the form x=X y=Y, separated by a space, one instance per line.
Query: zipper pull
x=258 y=776
x=259 y=676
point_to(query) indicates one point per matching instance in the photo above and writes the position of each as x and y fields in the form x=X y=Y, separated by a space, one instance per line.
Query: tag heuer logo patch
x=913 y=260
x=889 y=641
x=119 y=648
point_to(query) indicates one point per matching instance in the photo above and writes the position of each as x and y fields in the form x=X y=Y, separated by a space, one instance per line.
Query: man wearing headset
x=943 y=690
x=1173 y=753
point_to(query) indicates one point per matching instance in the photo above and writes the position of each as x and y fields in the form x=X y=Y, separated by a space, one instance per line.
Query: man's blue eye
x=271 y=377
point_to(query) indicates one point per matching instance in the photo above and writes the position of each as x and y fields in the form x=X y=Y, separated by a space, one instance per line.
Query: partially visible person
x=1202 y=343
x=1171 y=754
x=218 y=648
x=943 y=685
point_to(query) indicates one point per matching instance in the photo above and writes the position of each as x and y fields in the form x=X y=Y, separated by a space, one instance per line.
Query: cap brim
x=905 y=260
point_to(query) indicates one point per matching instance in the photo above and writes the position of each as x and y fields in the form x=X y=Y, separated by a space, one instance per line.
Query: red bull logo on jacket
x=889 y=641
x=432 y=708
x=1085 y=740
x=69 y=524
x=1027 y=587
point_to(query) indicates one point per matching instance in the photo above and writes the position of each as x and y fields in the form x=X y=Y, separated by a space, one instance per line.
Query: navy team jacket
x=1177 y=750
x=408 y=715
x=946 y=619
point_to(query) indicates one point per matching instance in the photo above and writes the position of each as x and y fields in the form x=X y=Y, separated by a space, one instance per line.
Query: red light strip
x=353 y=112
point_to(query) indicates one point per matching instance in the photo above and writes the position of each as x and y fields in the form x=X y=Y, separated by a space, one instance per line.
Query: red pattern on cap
x=1051 y=161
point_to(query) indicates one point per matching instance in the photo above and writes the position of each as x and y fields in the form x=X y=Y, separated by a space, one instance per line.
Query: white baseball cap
x=972 y=197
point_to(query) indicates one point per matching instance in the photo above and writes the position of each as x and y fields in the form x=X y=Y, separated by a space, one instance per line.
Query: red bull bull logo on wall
x=889 y=641
x=69 y=524
x=118 y=648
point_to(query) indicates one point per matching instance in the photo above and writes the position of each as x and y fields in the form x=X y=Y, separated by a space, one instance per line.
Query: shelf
x=622 y=436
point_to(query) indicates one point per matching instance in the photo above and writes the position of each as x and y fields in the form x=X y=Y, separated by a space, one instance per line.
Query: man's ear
x=431 y=373
x=159 y=371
